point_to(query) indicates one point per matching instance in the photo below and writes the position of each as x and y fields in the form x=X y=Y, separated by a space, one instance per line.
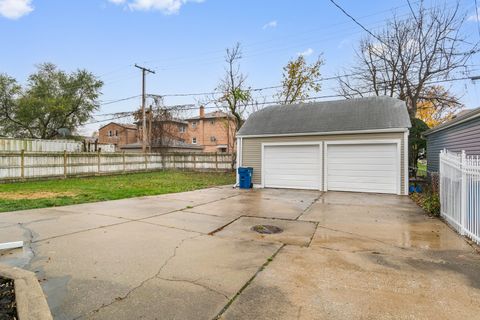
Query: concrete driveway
x=193 y=255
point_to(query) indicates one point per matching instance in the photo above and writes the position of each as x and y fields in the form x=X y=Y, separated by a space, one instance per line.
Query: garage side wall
x=252 y=148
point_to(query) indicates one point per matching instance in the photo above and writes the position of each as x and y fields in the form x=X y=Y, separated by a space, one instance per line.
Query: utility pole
x=144 y=120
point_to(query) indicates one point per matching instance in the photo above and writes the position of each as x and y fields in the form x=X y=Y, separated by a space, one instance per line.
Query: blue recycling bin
x=245 y=177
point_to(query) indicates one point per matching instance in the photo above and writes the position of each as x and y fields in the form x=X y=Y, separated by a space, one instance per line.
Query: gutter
x=328 y=133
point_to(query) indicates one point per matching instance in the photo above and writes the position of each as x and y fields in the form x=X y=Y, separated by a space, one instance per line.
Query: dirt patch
x=34 y=195
x=8 y=309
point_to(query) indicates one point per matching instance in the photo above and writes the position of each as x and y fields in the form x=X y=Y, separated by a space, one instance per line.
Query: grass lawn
x=52 y=193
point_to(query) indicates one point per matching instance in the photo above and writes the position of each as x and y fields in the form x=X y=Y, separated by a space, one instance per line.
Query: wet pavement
x=193 y=255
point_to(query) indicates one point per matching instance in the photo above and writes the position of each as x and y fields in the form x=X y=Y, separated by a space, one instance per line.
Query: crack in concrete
x=28 y=244
x=310 y=205
x=142 y=283
x=195 y=282
x=363 y=236
x=239 y=292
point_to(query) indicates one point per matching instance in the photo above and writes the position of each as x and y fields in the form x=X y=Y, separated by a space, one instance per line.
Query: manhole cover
x=266 y=229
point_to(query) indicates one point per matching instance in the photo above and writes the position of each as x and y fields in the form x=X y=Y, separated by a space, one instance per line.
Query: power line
x=119 y=100
x=355 y=20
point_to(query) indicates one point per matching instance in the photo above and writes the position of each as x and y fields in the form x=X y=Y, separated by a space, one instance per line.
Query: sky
x=184 y=41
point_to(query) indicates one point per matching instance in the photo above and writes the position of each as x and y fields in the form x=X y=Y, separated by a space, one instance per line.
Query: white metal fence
x=40 y=145
x=31 y=165
x=460 y=192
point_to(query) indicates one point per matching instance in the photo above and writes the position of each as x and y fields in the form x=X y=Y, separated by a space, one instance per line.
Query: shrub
x=429 y=201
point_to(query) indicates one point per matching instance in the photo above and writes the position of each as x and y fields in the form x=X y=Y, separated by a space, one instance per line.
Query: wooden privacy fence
x=460 y=192
x=42 y=145
x=34 y=165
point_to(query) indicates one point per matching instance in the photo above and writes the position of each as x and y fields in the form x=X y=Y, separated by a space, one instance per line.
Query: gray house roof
x=462 y=117
x=330 y=116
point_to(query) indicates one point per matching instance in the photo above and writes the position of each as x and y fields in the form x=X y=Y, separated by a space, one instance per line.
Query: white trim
x=304 y=143
x=239 y=152
x=405 y=162
x=328 y=133
x=373 y=141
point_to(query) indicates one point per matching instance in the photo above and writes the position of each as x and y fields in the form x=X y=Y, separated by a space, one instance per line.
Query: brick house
x=214 y=131
x=118 y=134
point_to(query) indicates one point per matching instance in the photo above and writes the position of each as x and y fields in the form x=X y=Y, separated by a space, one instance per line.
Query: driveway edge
x=31 y=302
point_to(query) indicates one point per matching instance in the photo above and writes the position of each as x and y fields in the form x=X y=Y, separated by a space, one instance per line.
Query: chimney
x=202 y=111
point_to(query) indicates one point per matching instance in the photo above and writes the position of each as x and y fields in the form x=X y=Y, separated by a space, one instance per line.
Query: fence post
x=124 y=162
x=464 y=192
x=64 y=163
x=146 y=162
x=194 y=162
x=98 y=161
x=22 y=164
x=216 y=161
x=174 y=165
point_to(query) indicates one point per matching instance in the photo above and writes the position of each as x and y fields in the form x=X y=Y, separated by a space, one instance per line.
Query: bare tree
x=235 y=95
x=299 y=79
x=408 y=56
x=163 y=124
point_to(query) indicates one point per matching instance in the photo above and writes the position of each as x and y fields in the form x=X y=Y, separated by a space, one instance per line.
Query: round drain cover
x=266 y=229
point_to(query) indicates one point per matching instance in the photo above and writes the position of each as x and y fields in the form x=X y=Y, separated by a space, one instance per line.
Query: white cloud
x=271 y=24
x=14 y=9
x=474 y=17
x=306 y=53
x=164 y=6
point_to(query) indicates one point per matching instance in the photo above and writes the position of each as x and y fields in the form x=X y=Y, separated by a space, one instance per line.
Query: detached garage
x=358 y=145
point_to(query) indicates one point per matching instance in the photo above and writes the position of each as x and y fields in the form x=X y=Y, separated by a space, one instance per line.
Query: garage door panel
x=347 y=173
x=292 y=166
x=363 y=179
x=363 y=167
x=364 y=160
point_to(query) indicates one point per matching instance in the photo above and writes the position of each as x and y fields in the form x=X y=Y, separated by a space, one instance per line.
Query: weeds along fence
x=35 y=165
x=460 y=192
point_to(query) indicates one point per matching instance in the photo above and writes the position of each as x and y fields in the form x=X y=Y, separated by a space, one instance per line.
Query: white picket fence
x=460 y=192
x=34 y=165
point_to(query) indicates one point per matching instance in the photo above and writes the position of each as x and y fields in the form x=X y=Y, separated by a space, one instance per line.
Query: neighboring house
x=118 y=134
x=214 y=131
x=356 y=145
x=165 y=132
x=460 y=133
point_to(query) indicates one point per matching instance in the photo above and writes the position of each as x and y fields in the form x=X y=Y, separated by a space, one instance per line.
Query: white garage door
x=292 y=166
x=363 y=167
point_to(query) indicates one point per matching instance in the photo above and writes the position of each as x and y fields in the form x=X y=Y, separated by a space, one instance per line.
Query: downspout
x=239 y=161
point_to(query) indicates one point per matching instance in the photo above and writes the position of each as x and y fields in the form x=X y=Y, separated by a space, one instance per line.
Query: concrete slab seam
x=262 y=267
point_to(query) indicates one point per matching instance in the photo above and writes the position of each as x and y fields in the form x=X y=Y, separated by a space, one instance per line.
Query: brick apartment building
x=118 y=134
x=214 y=131
x=208 y=132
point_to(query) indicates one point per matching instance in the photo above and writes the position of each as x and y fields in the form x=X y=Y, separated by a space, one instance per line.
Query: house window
x=213 y=139
x=223 y=149
x=194 y=124
x=109 y=133
x=212 y=121
x=116 y=133
x=194 y=140
x=181 y=129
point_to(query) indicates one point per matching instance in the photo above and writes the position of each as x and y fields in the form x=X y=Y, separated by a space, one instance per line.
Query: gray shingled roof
x=329 y=116
x=463 y=116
